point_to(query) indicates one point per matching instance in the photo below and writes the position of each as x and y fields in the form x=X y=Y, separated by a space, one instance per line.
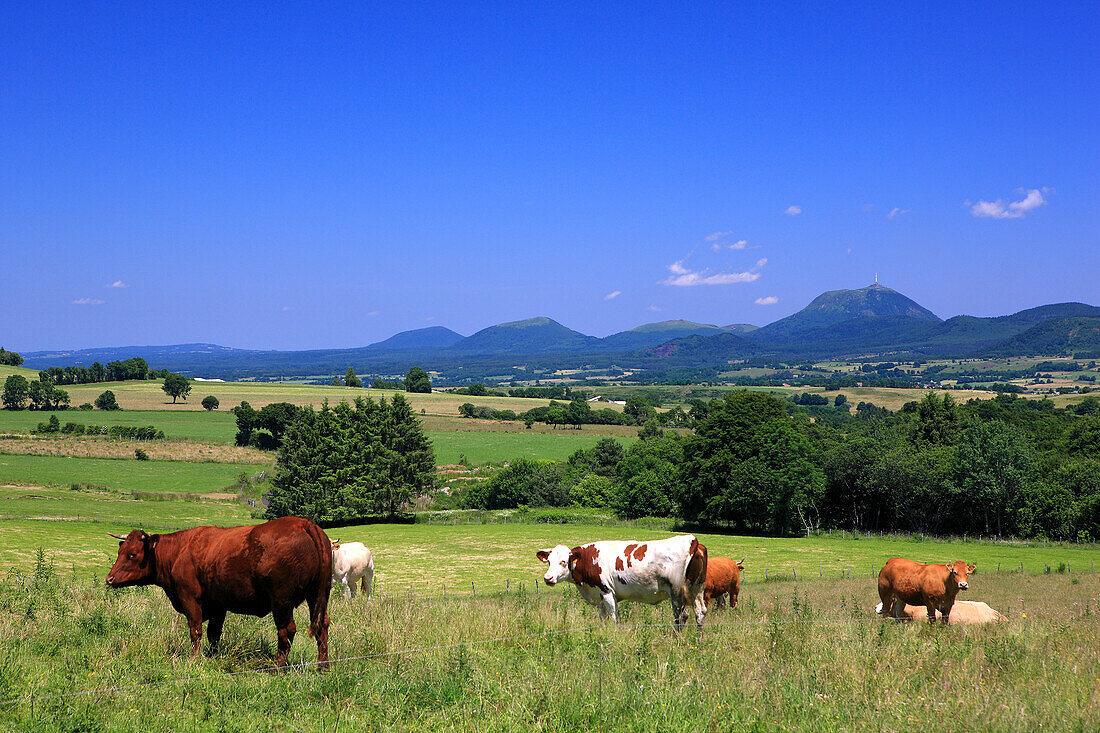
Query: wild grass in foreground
x=808 y=656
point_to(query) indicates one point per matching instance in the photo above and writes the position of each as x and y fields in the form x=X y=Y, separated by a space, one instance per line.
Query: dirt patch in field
x=84 y=447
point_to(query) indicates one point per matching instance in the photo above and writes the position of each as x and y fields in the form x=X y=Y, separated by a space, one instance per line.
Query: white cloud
x=848 y=251
x=372 y=314
x=739 y=244
x=288 y=308
x=770 y=300
x=683 y=277
x=87 y=301
x=613 y=294
x=655 y=309
x=867 y=207
x=118 y=284
x=793 y=210
x=717 y=235
x=896 y=212
x=999 y=209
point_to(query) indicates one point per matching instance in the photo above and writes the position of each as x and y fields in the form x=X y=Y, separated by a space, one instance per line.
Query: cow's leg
x=366 y=581
x=318 y=625
x=349 y=588
x=214 y=629
x=945 y=615
x=678 y=611
x=700 y=611
x=193 y=611
x=284 y=623
x=931 y=612
x=720 y=601
x=608 y=607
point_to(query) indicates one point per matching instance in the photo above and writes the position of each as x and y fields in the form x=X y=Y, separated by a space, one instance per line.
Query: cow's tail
x=695 y=577
x=318 y=609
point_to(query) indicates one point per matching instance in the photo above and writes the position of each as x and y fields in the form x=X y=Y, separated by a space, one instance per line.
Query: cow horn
x=117 y=536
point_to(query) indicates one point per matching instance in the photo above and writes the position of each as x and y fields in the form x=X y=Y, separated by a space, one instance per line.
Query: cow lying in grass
x=963 y=612
x=649 y=572
x=723 y=579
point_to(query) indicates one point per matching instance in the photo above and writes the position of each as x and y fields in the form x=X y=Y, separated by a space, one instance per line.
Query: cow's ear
x=543 y=555
x=950 y=567
x=153 y=540
x=971 y=568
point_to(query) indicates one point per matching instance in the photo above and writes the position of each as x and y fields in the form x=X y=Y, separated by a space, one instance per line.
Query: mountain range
x=861 y=323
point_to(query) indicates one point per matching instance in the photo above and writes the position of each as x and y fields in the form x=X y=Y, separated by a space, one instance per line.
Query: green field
x=483 y=447
x=122 y=474
x=213 y=427
x=793 y=656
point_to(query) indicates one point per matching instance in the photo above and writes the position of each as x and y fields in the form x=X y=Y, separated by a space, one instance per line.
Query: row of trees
x=116 y=371
x=417 y=380
x=10 y=358
x=757 y=464
x=19 y=393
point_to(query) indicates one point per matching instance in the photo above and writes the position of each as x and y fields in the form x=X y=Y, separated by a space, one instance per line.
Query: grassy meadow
x=806 y=655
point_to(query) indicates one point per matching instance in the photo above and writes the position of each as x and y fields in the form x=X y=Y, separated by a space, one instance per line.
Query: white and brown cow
x=649 y=572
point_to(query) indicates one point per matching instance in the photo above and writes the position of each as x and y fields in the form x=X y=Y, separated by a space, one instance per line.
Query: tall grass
x=807 y=657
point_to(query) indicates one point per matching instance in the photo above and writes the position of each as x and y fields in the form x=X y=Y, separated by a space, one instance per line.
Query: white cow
x=351 y=563
x=649 y=572
x=963 y=612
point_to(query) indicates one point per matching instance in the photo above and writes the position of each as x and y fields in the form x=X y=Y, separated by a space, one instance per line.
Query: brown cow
x=253 y=570
x=933 y=586
x=963 y=612
x=723 y=577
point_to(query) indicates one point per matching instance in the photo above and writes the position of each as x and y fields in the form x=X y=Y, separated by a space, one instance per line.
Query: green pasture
x=122 y=474
x=808 y=656
x=213 y=427
x=484 y=447
x=494 y=556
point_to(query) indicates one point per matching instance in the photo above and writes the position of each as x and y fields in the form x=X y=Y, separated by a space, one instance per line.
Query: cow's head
x=135 y=564
x=558 y=560
x=959 y=572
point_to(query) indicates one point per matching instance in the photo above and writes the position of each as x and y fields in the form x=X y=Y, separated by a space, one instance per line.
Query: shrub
x=106 y=401
x=87 y=406
x=210 y=402
x=140 y=454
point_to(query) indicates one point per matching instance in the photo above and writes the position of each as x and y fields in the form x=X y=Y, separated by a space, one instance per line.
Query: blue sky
x=273 y=175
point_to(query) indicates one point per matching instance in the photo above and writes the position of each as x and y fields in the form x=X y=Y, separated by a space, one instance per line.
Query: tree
x=639 y=408
x=176 y=385
x=840 y=400
x=992 y=468
x=16 y=391
x=45 y=396
x=246 y=422
x=417 y=380
x=106 y=401
x=648 y=477
x=749 y=466
x=351 y=380
x=10 y=358
x=351 y=461
x=210 y=402
x=937 y=420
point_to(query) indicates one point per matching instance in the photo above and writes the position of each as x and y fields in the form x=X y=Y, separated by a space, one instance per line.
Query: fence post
x=473 y=588
x=507 y=585
x=820 y=572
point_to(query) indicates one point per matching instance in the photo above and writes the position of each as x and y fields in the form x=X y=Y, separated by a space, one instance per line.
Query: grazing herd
x=274 y=567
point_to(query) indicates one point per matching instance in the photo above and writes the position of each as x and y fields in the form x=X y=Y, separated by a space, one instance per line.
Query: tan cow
x=933 y=586
x=723 y=578
x=963 y=612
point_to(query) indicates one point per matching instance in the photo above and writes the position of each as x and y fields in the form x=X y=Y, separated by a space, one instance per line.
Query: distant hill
x=740 y=327
x=967 y=334
x=433 y=337
x=152 y=354
x=696 y=350
x=533 y=336
x=654 y=334
x=838 y=306
x=1057 y=336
